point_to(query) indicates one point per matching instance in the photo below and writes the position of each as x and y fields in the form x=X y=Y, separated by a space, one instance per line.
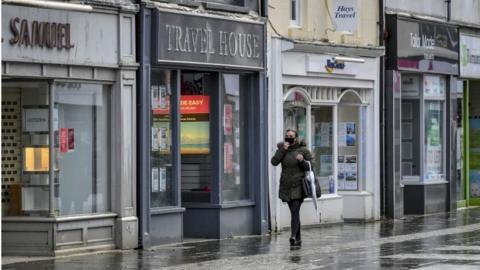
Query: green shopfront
x=468 y=98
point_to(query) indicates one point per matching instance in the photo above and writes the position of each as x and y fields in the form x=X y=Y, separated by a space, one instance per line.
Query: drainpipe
x=449 y=9
x=381 y=37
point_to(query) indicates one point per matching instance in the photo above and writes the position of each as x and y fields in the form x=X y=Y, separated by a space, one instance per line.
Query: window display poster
x=326 y=168
x=162 y=179
x=325 y=133
x=195 y=124
x=155 y=179
x=160 y=136
x=433 y=85
x=351 y=134
x=350 y=168
x=302 y=126
x=227 y=119
x=63 y=140
x=341 y=172
x=228 y=157
x=71 y=139
x=474 y=183
x=342 y=134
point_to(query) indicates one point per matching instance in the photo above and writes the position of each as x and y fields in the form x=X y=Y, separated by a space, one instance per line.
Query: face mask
x=289 y=140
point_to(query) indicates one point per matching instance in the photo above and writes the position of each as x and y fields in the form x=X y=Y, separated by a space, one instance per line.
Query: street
x=440 y=241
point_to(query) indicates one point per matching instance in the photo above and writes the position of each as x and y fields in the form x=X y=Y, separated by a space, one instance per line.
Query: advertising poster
x=227 y=119
x=434 y=161
x=342 y=134
x=341 y=172
x=351 y=134
x=195 y=124
x=71 y=139
x=155 y=179
x=162 y=179
x=63 y=140
x=350 y=172
x=325 y=133
x=155 y=96
x=326 y=168
x=228 y=158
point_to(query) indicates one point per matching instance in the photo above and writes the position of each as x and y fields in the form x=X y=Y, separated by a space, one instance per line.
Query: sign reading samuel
x=185 y=38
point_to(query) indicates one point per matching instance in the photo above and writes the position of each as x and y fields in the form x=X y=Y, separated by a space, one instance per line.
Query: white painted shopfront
x=330 y=95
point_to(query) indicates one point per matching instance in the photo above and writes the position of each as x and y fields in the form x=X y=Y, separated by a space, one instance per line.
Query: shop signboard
x=208 y=40
x=469 y=56
x=422 y=46
x=58 y=36
x=344 y=14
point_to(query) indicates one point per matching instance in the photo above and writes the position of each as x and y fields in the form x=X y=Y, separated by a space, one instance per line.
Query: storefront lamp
x=35 y=159
x=348 y=59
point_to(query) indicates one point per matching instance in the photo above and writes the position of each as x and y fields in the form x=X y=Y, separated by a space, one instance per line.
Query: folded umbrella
x=311 y=181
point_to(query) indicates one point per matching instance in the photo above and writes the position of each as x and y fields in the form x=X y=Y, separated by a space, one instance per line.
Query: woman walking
x=292 y=154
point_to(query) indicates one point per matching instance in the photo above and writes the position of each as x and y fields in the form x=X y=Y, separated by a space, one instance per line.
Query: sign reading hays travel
x=189 y=39
x=469 y=56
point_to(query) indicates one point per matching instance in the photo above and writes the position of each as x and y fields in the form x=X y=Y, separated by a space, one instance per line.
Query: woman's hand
x=300 y=157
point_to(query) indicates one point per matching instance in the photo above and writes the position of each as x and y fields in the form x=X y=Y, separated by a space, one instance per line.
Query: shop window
x=25 y=149
x=295 y=113
x=434 y=94
x=322 y=147
x=83 y=137
x=349 y=141
x=411 y=123
x=196 y=168
x=234 y=89
x=295 y=13
x=422 y=142
x=162 y=183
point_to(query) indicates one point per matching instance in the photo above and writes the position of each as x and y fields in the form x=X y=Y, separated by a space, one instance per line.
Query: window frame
x=297 y=21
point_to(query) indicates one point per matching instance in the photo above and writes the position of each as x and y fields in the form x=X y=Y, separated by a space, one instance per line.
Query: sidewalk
x=416 y=241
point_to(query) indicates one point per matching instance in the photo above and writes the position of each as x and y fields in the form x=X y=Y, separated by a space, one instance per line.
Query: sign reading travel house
x=469 y=56
x=422 y=46
x=186 y=38
x=40 y=34
x=344 y=14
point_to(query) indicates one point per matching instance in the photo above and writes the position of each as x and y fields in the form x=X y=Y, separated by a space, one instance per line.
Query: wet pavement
x=442 y=241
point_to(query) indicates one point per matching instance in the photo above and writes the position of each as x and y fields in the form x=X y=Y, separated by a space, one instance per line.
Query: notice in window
x=63 y=140
x=350 y=172
x=155 y=179
x=325 y=132
x=341 y=172
x=162 y=179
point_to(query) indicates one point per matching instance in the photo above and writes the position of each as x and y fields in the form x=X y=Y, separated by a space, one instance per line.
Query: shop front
x=421 y=116
x=330 y=95
x=468 y=169
x=202 y=112
x=68 y=129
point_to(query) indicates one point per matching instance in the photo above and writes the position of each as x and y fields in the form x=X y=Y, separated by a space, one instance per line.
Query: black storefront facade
x=202 y=126
x=420 y=116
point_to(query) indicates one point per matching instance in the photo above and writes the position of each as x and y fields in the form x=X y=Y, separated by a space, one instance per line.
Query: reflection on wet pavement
x=442 y=241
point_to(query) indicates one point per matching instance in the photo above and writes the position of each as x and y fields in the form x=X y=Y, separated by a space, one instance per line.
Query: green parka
x=293 y=171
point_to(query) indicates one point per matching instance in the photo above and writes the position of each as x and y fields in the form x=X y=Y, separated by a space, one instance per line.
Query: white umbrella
x=311 y=180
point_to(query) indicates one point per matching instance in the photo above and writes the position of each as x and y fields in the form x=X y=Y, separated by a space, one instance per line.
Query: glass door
x=322 y=147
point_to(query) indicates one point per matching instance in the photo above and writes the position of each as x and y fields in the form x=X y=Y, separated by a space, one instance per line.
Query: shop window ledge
x=166 y=210
x=233 y=204
x=355 y=193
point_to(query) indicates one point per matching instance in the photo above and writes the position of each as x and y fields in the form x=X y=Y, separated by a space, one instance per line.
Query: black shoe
x=297 y=243
x=292 y=241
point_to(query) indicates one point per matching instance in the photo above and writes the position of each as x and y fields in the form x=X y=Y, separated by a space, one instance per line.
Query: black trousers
x=294 y=206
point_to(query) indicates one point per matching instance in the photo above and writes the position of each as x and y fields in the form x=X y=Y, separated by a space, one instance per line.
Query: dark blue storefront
x=202 y=107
